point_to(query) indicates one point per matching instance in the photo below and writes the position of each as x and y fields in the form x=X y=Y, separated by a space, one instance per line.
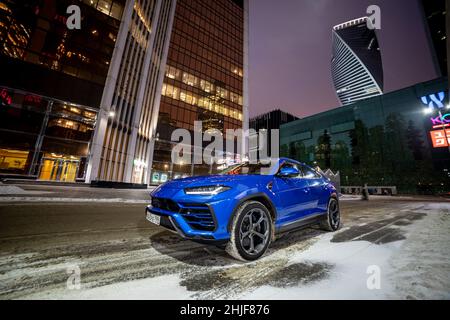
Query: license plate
x=153 y=218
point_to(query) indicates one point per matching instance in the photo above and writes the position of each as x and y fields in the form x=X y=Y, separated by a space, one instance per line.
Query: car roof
x=282 y=160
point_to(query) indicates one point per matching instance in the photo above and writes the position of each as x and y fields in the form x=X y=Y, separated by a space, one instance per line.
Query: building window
x=13 y=161
x=172 y=73
x=223 y=93
x=109 y=7
x=202 y=102
x=206 y=86
x=189 y=79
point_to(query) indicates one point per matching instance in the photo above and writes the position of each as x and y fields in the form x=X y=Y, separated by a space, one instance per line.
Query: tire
x=245 y=235
x=333 y=219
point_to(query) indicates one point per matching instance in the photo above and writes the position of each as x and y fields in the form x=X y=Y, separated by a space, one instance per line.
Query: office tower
x=356 y=65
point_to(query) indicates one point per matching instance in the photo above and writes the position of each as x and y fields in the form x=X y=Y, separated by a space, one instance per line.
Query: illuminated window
x=13 y=160
x=206 y=86
x=234 y=97
x=172 y=73
x=202 y=102
x=223 y=93
x=104 y=6
x=237 y=71
x=189 y=79
x=183 y=96
x=75 y=110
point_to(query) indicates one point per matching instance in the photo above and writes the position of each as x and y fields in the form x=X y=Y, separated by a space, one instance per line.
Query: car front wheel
x=251 y=231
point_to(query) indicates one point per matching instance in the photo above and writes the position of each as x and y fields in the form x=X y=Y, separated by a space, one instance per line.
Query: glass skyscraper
x=99 y=104
x=356 y=66
x=51 y=85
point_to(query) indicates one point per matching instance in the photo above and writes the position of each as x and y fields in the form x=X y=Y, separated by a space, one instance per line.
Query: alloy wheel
x=334 y=214
x=254 y=231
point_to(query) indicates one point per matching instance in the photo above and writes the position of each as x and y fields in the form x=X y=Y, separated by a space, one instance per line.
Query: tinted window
x=292 y=165
x=310 y=173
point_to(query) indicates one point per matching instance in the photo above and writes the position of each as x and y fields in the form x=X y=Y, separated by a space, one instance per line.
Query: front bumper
x=195 y=220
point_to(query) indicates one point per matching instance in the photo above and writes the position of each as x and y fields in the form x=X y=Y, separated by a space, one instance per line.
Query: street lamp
x=428 y=110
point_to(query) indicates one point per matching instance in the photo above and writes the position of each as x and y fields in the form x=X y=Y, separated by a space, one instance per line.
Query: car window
x=246 y=169
x=292 y=165
x=309 y=173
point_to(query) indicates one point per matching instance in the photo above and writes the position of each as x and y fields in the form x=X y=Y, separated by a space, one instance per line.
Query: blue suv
x=244 y=207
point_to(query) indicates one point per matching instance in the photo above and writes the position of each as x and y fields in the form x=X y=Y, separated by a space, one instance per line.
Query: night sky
x=290 y=50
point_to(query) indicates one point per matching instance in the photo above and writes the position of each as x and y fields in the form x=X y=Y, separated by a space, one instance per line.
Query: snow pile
x=421 y=270
x=348 y=278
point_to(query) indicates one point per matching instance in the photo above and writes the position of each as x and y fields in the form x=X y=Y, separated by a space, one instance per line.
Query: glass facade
x=36 y=32
x=203 y=79
x=52 y=83
x=387 y=140
x=43 y=137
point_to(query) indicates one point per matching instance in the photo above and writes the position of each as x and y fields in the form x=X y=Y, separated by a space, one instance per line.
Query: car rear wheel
x=251 y=231
x=333 y=218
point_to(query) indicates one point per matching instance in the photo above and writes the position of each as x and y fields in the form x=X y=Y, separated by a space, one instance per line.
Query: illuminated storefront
x=43 y=138
x=398 y=139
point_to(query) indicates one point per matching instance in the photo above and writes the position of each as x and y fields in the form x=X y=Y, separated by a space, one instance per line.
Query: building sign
x=440 y=138
x=5 y=97
x=440 y=135
x=434 y=101
x=443 y=120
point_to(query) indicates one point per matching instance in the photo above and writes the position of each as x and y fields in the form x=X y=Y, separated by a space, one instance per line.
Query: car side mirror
x=288 y=172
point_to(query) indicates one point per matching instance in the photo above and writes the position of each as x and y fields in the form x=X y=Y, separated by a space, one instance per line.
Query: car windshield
x=247 y=169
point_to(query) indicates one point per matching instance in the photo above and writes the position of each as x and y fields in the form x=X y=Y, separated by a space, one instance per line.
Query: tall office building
x=123 y=139
x=204 y=79
x=435 y=15
x=51 y=84
x=84 y=105
x=269 y=121
x=356 y=65
x=175 y=62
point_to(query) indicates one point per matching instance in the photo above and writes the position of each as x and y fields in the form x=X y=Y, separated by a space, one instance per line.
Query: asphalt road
x=113 y=243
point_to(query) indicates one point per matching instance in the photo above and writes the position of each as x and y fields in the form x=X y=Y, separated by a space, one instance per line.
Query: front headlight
x=207 y=190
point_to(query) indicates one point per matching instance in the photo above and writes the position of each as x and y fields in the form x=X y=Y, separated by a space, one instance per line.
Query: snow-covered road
x=118 y=255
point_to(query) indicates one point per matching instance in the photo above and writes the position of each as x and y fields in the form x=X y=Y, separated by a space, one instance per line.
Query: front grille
x=165 y=204
x=198 y=216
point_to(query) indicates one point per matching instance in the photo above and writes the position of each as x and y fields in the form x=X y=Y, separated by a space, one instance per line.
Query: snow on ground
x=158 y=288
x=347 y=278
x=416 y=268
x=50 y=199
x=14 y=190
x=322 y=267
x=421 y=270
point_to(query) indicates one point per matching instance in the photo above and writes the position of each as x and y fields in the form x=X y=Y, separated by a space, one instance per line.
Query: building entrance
x=59 y=168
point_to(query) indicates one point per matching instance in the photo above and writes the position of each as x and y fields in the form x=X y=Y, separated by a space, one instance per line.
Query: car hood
x=210 y=181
